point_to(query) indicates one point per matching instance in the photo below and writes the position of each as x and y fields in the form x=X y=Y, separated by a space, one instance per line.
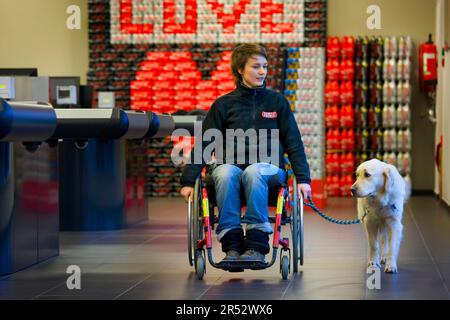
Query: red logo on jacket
x=269 y=115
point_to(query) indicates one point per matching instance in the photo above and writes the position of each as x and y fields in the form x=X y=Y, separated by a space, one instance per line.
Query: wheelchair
x=201 y=219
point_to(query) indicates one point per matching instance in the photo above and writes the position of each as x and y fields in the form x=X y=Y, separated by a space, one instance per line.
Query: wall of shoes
x=367 y=96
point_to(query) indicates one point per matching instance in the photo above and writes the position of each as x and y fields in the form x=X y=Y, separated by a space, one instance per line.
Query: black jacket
x=260 y=108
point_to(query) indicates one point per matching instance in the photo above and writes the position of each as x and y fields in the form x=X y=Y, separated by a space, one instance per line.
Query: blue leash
x=323 y=215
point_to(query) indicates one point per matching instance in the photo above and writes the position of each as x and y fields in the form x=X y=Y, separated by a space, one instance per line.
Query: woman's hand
x=187 y=192
x=304 y=189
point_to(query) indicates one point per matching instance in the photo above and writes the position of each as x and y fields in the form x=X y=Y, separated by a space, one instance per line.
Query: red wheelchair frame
x=201 y=217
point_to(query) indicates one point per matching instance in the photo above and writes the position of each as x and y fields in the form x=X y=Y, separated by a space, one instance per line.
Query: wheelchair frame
x=199 y=233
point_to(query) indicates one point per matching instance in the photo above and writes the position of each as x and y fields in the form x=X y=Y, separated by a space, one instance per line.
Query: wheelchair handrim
x=189 y=227
x=197 y=219
x=295 y=235
x=301 y=230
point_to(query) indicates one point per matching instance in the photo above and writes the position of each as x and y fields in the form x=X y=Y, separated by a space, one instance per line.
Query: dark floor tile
x=413 y=281
x=99 y=289
x=444 y=269
x=432 y=221
x=343 y=288
x=240 y=296
x=166 y=286
x=50 y=270
x=250 y=287
x=105 y=282
x=26 y=290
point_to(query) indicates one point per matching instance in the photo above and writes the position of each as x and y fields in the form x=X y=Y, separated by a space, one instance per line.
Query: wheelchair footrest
x=234 y=265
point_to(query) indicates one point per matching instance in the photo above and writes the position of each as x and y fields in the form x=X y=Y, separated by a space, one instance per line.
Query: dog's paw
x=373 y=264
x=390 y=267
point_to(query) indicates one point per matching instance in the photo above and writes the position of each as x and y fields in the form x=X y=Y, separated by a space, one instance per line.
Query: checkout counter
x=65 y=169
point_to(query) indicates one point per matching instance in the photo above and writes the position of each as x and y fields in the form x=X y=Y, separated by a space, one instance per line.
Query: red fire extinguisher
x=428 y=61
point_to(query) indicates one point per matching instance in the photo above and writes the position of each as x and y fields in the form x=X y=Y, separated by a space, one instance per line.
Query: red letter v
x=228 y=20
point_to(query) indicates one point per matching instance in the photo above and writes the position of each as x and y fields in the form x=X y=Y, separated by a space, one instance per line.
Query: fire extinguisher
x=428 y=61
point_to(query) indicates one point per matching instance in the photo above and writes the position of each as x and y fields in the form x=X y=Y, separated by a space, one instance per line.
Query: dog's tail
x=408 y=187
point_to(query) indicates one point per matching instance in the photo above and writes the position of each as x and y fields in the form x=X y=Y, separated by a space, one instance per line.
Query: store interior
x=105 y=199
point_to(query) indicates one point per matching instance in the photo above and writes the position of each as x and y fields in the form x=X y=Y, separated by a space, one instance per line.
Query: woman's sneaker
x=252 y=255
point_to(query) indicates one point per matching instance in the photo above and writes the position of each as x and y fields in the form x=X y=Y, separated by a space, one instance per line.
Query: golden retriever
x=381 y=193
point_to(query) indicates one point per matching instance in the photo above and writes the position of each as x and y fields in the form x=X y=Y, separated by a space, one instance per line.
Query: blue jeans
x=256 y=180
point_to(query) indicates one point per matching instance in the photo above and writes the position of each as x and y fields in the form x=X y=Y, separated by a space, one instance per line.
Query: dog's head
x=375 y=178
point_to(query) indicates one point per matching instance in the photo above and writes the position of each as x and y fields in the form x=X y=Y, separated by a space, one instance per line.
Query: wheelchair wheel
x=195 y=222
x=284 y=267
x=190 y=234
x=200 y=266
x=297 y=228
x=294 y=227
x=301 y=229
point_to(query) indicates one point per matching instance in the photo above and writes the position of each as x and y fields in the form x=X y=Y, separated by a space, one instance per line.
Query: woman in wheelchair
x=250 y=106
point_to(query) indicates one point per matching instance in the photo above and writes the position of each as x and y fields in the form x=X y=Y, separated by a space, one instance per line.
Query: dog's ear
x=388 y=180
x=393 y=181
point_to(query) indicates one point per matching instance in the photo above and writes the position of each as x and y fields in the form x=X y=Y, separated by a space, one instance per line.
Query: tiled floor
x=149 y=261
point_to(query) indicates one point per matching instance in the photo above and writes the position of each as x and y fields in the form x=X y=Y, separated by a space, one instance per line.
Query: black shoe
x=252 y=255
x=257 y=240
x=232 y=255
x=233 y=240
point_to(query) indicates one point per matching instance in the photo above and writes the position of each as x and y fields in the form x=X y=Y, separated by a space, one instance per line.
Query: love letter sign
x=206 y=21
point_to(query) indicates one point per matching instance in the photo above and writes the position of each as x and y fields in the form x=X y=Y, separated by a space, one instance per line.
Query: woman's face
x=255 y=71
